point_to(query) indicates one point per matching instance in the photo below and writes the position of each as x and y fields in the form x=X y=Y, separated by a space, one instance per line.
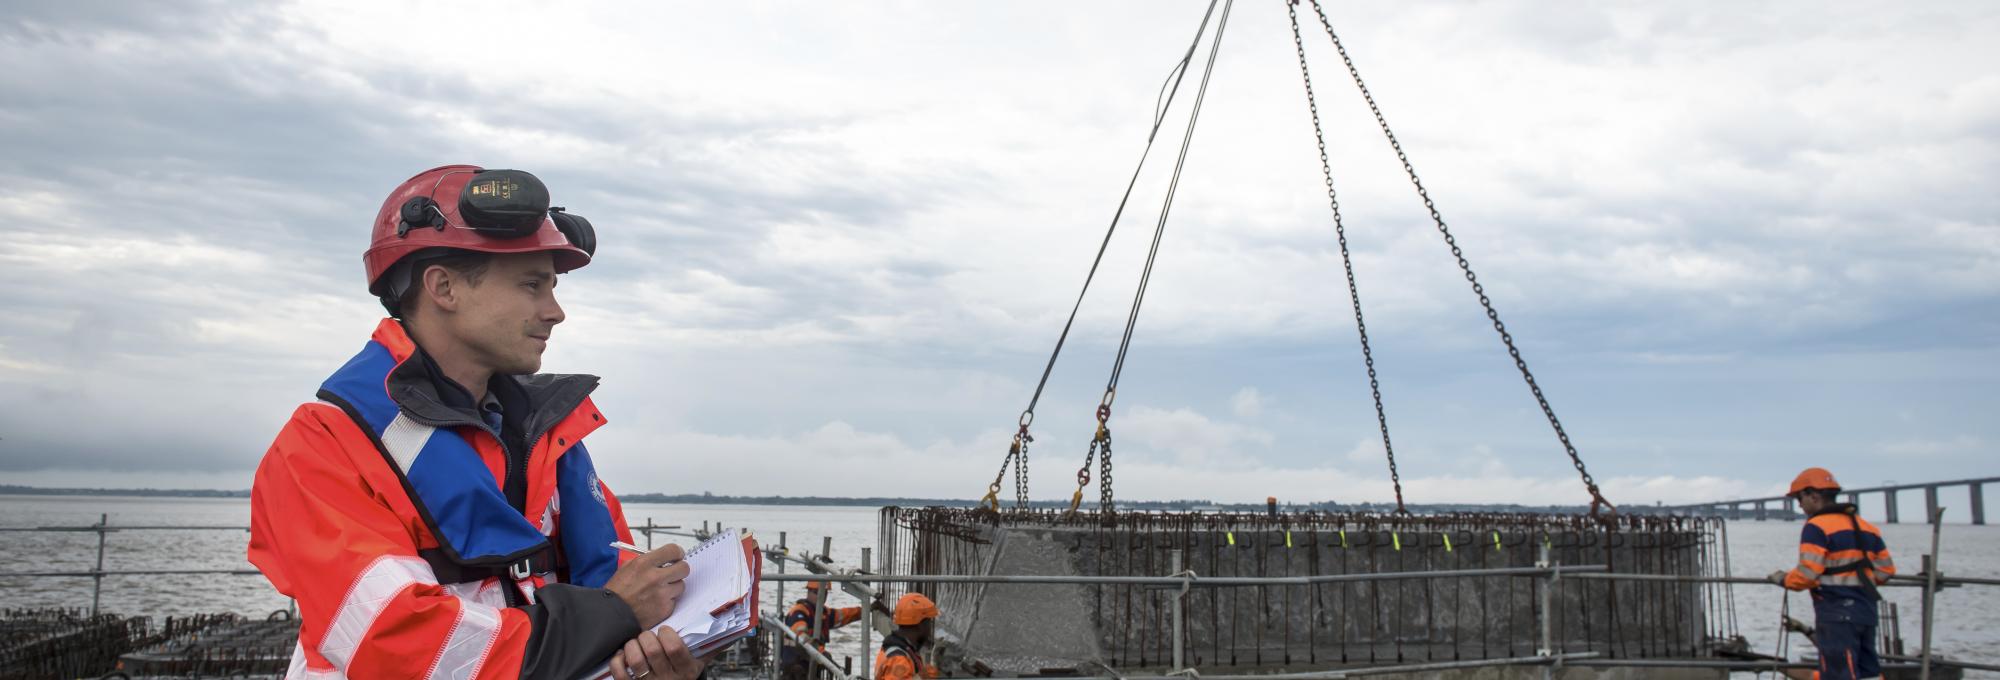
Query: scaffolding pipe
x=1894 y=581
x=105 y=528
x=1930 y=582
x=1180 y=641
x=133 y=572
x=1744 y=665
x=660 y=528
x=97 y=581
x=1369 y=670
x=778 y=650
x=818 y=597
x=780 y=577
x=1548 y=595
x=867 y=617
x=1176 y=581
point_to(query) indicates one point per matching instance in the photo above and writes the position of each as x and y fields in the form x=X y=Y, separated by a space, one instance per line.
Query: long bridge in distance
x=1759 y=508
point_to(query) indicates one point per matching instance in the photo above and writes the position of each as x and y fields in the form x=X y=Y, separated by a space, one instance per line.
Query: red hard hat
x=427 y=211
x=1812 y=478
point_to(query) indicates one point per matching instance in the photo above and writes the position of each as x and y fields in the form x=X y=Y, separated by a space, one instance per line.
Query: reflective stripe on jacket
x=345 y=527
x=1832 y=550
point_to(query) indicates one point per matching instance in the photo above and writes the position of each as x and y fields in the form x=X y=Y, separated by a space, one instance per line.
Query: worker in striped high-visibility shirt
x=1842 y=558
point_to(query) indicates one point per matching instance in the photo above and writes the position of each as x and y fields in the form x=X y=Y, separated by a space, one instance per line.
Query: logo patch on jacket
x=596 y=489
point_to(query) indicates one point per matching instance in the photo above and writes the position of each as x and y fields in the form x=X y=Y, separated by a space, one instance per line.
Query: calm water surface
x=1968 y=623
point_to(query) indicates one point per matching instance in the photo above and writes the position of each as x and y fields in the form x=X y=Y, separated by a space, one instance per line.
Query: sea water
x=1967 y=619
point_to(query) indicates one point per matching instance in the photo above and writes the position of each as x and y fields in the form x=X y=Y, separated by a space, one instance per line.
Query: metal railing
x=104 y=529
x=823 y=569
x=1545 y=654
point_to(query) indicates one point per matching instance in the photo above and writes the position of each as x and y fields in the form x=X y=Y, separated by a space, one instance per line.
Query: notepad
x=719 y=604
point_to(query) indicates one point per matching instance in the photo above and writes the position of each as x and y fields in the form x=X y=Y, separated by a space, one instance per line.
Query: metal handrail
x=1182 y=580
x=103 y=528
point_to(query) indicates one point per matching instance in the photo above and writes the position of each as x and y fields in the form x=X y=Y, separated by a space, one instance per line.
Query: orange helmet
x=1813 y=478
x=471 y=208
x=914 y=608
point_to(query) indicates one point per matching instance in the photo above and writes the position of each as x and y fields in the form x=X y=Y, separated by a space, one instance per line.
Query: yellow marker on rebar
x=1343 y=538
x=1288 y=538
x=1399 y=540
x=1496 y=540
x=1447 y=542
x=1231 y=535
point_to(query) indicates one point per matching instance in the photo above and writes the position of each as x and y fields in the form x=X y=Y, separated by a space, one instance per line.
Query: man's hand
x=1777 y=577
x=656 y=657
x=650 y=584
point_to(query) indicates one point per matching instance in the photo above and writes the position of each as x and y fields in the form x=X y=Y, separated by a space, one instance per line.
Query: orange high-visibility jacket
x=335 y=526
x=899 y=660
x=1837 y=549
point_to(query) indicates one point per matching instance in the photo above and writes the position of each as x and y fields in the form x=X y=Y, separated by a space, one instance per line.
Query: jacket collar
x=549 y=397
x=895 y=640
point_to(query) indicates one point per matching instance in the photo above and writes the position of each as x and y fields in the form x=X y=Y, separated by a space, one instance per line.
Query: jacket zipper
x=516 y=469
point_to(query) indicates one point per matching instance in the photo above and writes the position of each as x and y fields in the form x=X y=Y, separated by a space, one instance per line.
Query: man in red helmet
x=1842 y=559
x=435 y=513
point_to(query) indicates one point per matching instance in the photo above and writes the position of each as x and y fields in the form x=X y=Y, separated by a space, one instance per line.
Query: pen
x=636 y=550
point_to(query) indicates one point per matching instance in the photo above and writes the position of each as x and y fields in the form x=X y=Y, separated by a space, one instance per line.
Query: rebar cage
x=1438 y=617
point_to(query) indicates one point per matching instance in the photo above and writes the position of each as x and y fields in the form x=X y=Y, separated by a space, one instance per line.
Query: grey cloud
x=221 y=125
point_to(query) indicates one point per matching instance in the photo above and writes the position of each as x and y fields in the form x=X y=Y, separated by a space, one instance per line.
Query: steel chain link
x=992 y=499
x=1346 y=261
x=1104 y=473
x=1597 y=497
x=1083 y=477
x=1021 y=470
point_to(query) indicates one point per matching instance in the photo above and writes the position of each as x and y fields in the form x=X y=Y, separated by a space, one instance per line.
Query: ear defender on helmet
x=419 y=212
x=504 y=203
x=576 y=229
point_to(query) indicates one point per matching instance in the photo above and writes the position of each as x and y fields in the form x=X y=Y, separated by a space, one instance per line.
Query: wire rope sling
x=1099 y=450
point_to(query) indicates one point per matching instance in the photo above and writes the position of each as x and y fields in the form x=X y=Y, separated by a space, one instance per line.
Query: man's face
x=1810 y=502
x=505 y=320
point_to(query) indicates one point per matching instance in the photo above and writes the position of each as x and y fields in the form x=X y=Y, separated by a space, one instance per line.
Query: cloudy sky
x=839 y=240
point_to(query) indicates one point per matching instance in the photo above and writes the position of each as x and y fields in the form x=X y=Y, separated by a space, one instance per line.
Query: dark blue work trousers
x=1845 y=633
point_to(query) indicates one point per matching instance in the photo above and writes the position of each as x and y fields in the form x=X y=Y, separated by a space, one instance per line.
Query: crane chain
x=1082 y=477
x=1103 y=442
x=1021 y=439
x=1346 y=261
x=1169 y=89
x=1597 y=499
x=991 y=501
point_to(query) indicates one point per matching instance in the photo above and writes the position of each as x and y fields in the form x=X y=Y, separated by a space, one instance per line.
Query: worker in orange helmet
x=1842 y=558
x=901 y=657
x=434 y=511
x=793 y=663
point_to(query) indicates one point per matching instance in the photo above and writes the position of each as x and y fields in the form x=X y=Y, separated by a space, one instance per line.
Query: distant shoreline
x=874 y=501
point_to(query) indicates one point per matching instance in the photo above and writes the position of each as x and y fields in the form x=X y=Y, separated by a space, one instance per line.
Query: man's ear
x=441 y=286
